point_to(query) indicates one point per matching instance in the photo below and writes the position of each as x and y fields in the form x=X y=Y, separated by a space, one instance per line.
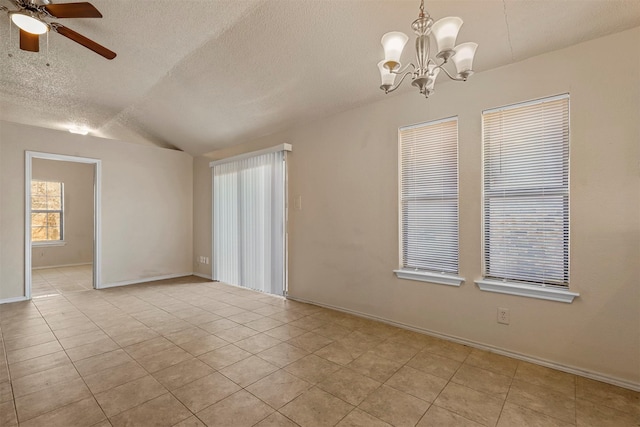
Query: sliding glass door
x=249 y=221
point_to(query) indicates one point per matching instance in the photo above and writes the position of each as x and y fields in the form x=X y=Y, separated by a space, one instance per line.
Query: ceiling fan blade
x=84 y=41
x=30 y=42
x=73 y=10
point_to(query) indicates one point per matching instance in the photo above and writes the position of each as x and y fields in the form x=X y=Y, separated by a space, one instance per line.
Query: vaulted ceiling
x=198 y=75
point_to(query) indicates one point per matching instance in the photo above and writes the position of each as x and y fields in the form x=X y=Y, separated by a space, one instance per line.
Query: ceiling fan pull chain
x=47 y=57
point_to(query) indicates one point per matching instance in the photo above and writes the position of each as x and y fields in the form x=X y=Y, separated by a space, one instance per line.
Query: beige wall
x=78 y=213
x=344 y=242
x=147 y=205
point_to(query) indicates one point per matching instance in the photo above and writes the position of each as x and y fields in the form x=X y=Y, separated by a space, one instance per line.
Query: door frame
x=97 y=208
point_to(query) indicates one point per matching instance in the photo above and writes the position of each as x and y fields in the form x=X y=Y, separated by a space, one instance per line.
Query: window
x=526 y=193
x=429 y=202
x=47 y=204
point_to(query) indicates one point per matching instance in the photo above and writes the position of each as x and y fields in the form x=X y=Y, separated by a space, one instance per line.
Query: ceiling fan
x=31 y=17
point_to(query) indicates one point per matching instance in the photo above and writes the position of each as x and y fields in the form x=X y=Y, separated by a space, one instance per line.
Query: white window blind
x=429 y=196
x=249 y=222
x=526 y=192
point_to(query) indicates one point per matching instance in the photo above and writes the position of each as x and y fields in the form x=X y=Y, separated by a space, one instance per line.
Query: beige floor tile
x=134 y=337
x=513 y=415
x=50 y=398
x=239 y=410
x=164 y=359
x=112 y=377
x=448 y=349
x=49 y=378
x=373 y=366
x=205 y=391
x=309 y=323
x=542 y=399
x=316 y=407
x=37 y=364
x=104 y=423
x=202 y=318
x=246 y=317
x=310 y=341
x=338 y=352
x=394 y=351
x=263 y=324
x=248 y=371
x=164 y=410
x=82 y=413
x=186 y=335
x=395 y=407
x=203 y=345
x=312 y=368
x=440 y=417
x=257 y=343
x=332 y=331
x=182 y=373
x=550 y=378
x=276 y=420
x=593 y=415
x=608 y=395
x=32 y=352
x=192 y=421
x=103 y=345
x=236 y=333
x=103 y=361
x=224 y=356
x=172 y=326
x=471 y=404
x=29 y=341
x=82 y=339
x=218 y=325
x=285 y=332
x=349 y=386
x=278 y=389
x=417 y=383
x=435 y=365
x=282 y=354
x=6 y=392
x=8 y=415
x=482 y=380
x=72 y=331
x=493 y=362
x=359 y=418
x=360 y=342
x=129 y=395
x=148 y=348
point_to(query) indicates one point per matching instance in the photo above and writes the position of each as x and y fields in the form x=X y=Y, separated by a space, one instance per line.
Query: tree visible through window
x=47 y=201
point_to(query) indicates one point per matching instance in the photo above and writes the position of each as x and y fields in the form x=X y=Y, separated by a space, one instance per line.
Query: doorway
x=62 y=223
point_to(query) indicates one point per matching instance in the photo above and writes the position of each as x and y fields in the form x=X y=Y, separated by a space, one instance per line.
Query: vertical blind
x=249 y=222
x=526 y=192
x=429 y=196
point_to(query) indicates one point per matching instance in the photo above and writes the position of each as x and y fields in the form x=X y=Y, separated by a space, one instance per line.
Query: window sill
x=531 y=291
x=49 y=243
x=427 y=276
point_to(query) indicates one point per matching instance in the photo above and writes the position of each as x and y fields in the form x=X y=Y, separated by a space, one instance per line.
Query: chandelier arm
x=458 y=79
x=404 y=69
x=399 y=83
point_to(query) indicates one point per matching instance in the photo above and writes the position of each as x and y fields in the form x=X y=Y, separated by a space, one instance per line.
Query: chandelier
x=424 y=73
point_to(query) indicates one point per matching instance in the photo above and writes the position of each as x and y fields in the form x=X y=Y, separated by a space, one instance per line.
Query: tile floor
x=189 y=352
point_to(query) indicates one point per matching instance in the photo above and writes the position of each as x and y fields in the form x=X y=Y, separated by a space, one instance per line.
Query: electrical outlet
x=503 y=316
x=206 y=260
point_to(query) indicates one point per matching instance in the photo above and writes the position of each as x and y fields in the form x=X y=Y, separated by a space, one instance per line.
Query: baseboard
x=143 y=280
x=13 y=299
x=204 y=276
x=538 y=361
x=62 y=266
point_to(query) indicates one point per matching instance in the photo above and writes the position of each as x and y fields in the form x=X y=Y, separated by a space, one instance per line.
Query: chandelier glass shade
x=424 y=73
x=28 y=23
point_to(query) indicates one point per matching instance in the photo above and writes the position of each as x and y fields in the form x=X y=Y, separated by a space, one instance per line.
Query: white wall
x=147 y=205
x=344 y=242
x=77 y=216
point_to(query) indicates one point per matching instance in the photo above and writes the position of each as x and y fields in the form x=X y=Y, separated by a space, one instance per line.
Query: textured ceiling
x=199 y=75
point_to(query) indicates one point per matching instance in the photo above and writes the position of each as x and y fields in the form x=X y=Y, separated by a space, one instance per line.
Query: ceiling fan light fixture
x=29 y=23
